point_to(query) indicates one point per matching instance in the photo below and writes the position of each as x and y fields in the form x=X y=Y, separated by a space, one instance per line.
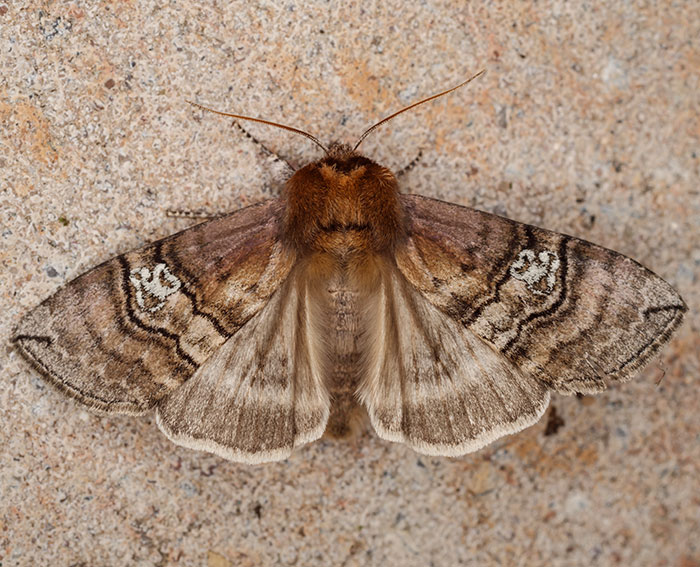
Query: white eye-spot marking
x=153 y=286
x=538 y=271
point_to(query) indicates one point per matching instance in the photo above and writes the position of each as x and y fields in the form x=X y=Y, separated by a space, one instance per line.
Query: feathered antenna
x=251 y=119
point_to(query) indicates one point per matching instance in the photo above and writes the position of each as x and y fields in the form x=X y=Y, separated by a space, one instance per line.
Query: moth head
x=344 y=203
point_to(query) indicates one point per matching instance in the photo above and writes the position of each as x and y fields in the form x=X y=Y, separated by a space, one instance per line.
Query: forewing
x=262 y=393
x=434 y=385
x=126 y=333
x=566 y=311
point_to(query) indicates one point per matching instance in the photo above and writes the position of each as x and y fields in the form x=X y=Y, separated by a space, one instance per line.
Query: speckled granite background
x=586 y=123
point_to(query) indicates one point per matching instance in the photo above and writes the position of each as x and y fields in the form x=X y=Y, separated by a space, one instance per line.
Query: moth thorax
x=341 y=205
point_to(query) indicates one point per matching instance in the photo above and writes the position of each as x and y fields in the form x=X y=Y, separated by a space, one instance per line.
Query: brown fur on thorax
x=342 y=205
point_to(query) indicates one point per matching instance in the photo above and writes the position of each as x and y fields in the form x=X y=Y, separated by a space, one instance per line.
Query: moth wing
x=262 y=393
x=572 y=314
x=125 y=334
x=434 y=385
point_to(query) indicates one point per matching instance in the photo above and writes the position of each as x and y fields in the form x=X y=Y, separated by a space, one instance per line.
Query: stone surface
x=586 y=122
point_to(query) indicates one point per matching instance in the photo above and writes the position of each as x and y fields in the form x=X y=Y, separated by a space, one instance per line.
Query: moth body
x=343 y=217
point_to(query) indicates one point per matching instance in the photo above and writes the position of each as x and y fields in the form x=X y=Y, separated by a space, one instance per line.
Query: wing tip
x=630 y=368
x=24 y=342
x=649 y=352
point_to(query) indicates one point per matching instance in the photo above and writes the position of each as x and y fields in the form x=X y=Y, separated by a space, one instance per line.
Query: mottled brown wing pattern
x=566 y=311
x=436 y=386
x=262 y=393
x=126 y=333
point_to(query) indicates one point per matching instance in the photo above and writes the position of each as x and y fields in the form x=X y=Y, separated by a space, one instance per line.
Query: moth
x=262 y=330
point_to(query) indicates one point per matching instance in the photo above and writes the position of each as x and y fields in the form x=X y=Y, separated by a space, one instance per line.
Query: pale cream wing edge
x=261 y=395
x=470 y=446
x=227 y=453
x=434 y=385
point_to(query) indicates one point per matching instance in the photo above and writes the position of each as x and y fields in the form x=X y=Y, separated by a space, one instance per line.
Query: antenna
x=384 y=120
x=260 y=120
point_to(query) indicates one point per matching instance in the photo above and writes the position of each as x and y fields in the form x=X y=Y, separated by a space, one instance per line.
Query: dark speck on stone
x=109 y=83
x=554 y=423
x=51 y=272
